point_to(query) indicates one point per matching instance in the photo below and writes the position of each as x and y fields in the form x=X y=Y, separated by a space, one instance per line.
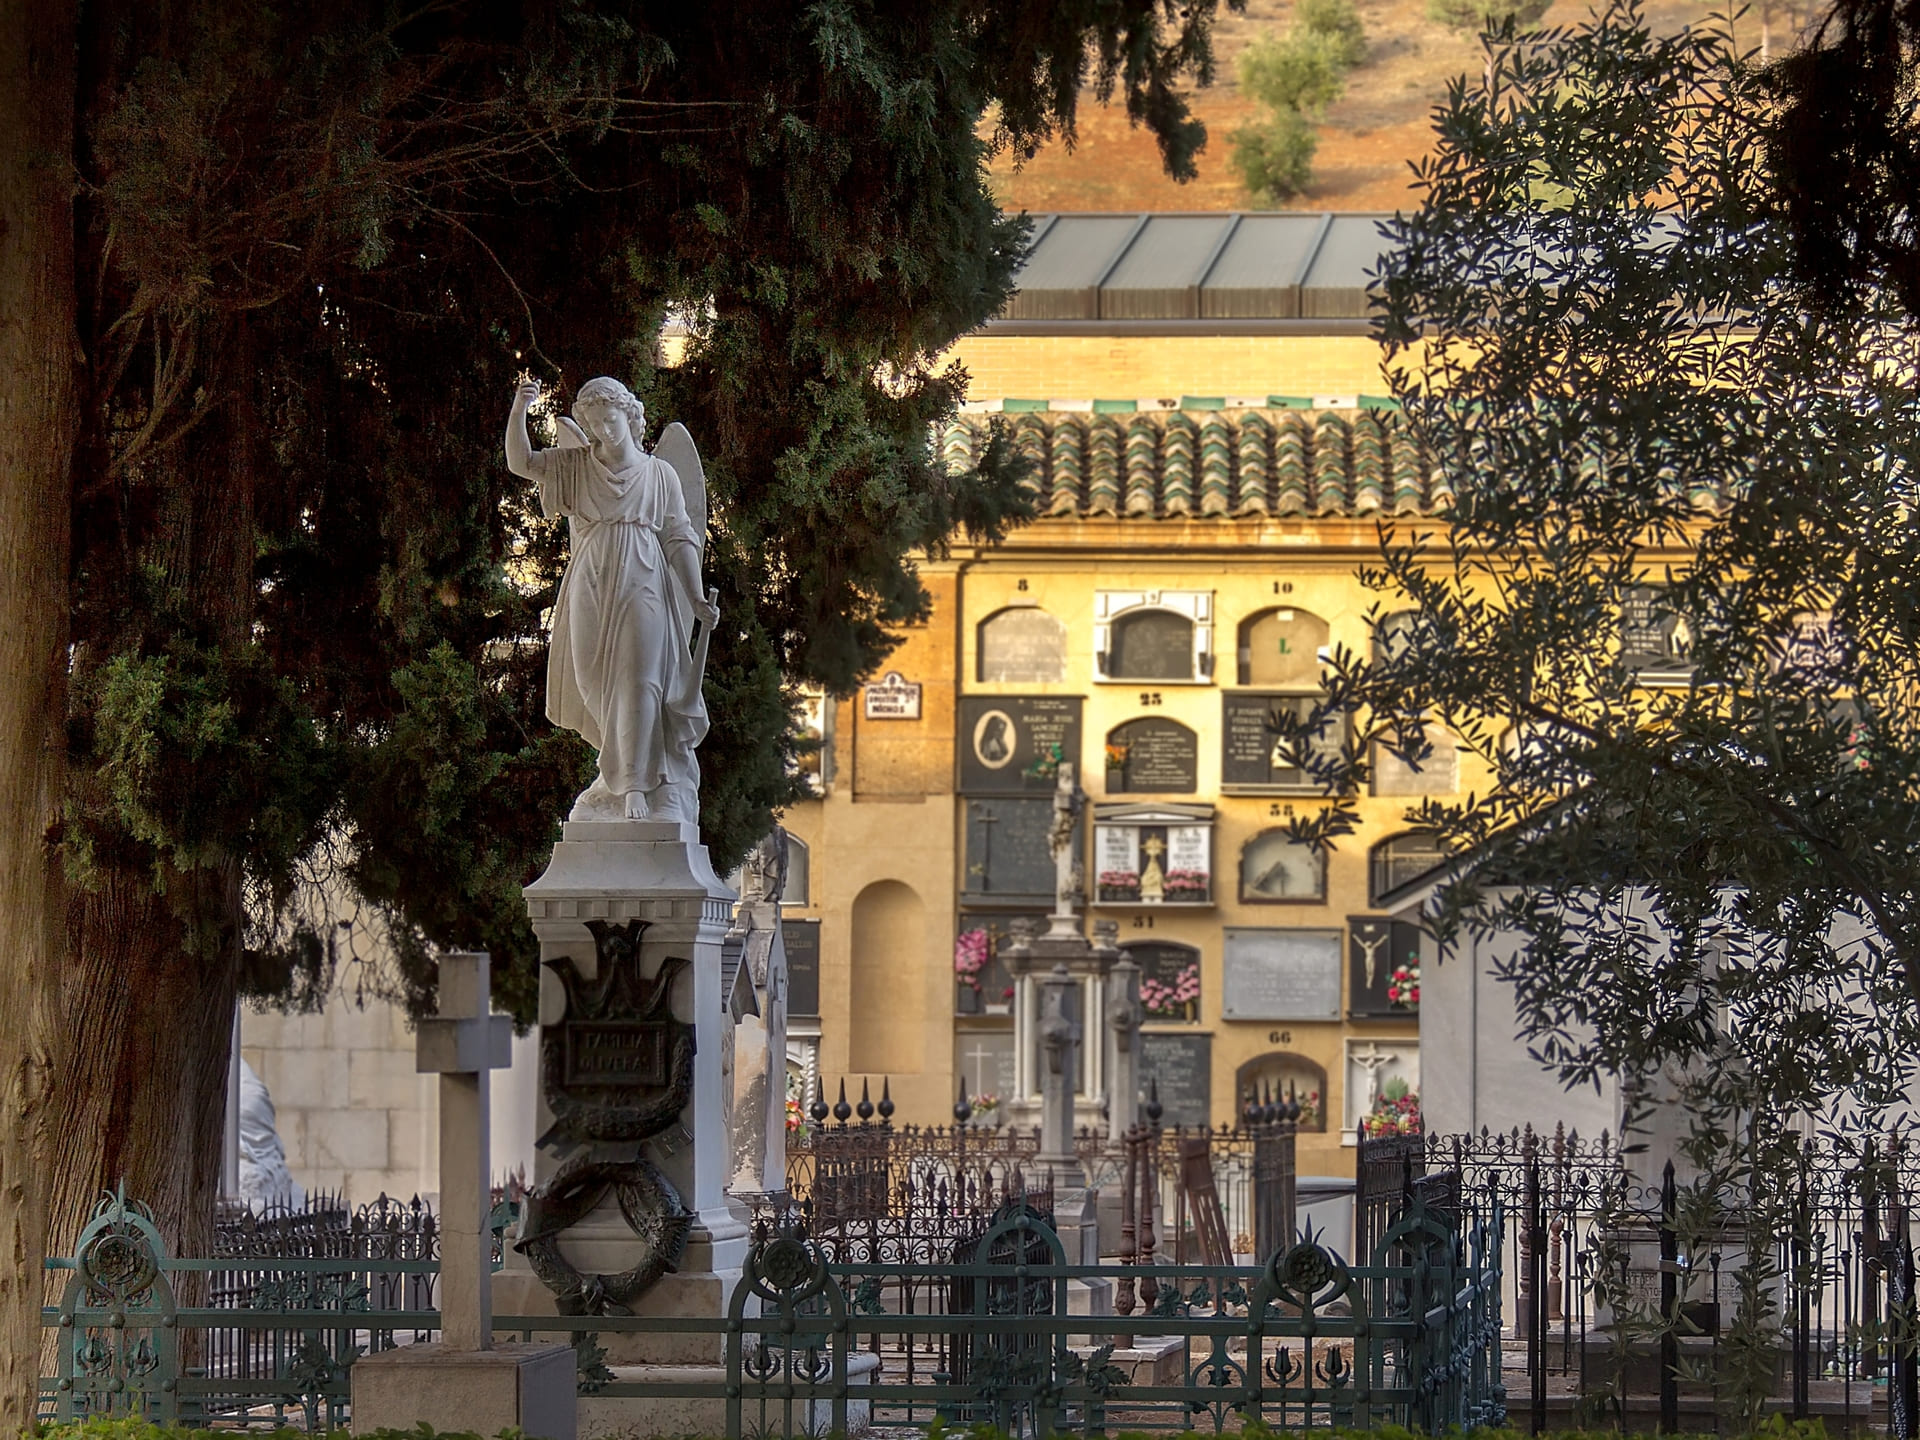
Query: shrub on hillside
x=1486 y=14
x=1294 y=77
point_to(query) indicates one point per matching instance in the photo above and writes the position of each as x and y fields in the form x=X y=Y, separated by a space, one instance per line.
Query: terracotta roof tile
x=1177 y=464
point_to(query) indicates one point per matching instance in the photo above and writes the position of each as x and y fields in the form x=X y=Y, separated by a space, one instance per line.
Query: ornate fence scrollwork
x=119 y=1343
x=781 y=1360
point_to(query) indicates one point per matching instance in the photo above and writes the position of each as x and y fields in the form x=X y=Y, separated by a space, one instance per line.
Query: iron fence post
x=1669 y=1308
x=1534 y=1306
x=1802 y=1340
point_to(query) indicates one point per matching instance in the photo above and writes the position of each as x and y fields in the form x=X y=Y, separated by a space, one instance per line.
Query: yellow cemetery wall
x=1122 y=367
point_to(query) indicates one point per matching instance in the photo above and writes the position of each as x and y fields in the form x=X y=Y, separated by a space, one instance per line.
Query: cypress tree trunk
x=147 y=1035
x=37 y=416
x=153 y=968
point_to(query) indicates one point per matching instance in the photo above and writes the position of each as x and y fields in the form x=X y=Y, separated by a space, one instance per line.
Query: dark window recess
x=802 y=939
x=1151 y=645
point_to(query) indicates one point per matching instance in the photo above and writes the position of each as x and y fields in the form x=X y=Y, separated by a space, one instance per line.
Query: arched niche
x=885 y=990
x=1152 y=756
x=1150 y=645
x=1169 y=979
x=1438 y=772
x=799 y=887
x=1281 y=647
x=1399 y=859
x=1284 y=1075
x=1393 y=634
x=1021 y=645
x=1276 y=869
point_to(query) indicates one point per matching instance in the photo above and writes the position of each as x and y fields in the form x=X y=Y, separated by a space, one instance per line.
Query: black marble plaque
x=1183 y=1066
x=1162 y=758
x=802 y=938
x=1008 y=742
x=1163 y=964
x=619 y=1054
x=1007 y=854
x=1254 y=756
x=1655 y=638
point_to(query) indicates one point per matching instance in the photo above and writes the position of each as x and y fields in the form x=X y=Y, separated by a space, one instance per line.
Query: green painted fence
x=980 y=1336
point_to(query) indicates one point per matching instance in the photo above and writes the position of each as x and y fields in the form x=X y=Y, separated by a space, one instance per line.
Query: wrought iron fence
x=1625 y=1291
x=851 y=1170
x=1305 y=1341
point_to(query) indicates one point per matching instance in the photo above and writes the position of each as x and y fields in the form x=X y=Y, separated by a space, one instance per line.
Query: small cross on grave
x=980 y=1055
x=460 y=1044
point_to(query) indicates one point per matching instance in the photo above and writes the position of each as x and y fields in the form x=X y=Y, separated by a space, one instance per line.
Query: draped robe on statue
x=620 y=669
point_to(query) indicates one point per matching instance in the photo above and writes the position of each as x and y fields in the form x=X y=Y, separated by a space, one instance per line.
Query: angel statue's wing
x=571 y=436
x=675 y=446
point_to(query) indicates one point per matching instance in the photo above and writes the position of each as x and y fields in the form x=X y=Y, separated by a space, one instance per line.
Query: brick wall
x=1042 y=367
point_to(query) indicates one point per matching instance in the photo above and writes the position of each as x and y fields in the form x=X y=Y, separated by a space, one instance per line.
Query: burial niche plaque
x=1153 y=756
x=1183 y=1066
x=1281 y=975
x=1024 y=646
x=1011 y=744
x=1254 y=756
x=802 y=939
x=1008 y=853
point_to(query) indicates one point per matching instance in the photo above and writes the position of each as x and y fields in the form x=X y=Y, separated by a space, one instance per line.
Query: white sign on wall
x=1119 y=847
x=1190 y=847
x=893 y=698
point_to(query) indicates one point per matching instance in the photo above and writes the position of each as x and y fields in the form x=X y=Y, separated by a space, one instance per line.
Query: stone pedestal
x=656 y=872
x=610 y=1418
x=526 y=1387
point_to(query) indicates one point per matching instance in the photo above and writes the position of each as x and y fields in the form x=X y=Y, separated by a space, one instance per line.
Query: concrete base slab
x=1150 y=1360
x=623 y=1417
x=528 y=1387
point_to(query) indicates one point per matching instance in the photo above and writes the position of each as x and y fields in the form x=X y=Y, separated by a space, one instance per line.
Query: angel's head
x=604 y=407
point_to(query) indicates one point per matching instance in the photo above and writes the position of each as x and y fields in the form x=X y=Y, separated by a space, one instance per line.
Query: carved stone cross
x=460 y=1044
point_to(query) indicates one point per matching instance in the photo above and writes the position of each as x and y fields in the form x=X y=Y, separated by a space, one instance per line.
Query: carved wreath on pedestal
x=617 y=1071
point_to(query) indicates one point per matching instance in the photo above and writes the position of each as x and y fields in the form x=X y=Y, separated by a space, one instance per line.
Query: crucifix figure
x=461 y=1043
x=1370 y=938
x=1371 y=1060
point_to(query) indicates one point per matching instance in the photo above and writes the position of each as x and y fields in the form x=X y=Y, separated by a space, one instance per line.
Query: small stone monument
x=754 y=945
x=1032 y=954
x=466 y=1382
x=1123 y=1036
x=1060 y=1035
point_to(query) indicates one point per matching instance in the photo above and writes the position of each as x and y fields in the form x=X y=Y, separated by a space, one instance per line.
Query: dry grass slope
x=1366 y=143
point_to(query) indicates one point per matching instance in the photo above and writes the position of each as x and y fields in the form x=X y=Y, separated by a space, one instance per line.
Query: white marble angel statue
x=632 y=620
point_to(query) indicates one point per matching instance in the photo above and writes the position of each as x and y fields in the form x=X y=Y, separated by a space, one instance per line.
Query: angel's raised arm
x=519 y=446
